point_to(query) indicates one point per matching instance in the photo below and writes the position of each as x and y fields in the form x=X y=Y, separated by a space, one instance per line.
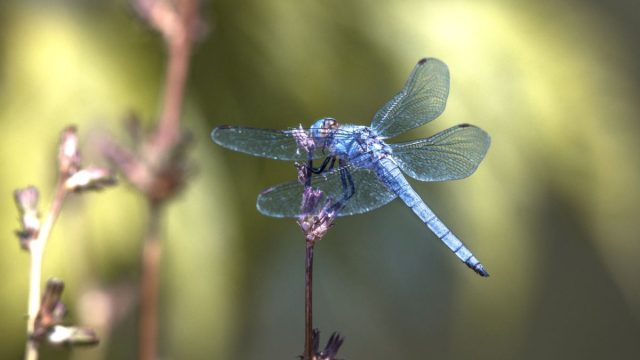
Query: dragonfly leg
x=348 y=188
x=307 y=172
x=328 y=161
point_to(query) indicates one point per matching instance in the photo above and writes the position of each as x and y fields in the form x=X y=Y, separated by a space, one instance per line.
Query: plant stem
x=308 y=302
x=36 y=250
x=177 y=25
x=151 y=255
x=179 y=43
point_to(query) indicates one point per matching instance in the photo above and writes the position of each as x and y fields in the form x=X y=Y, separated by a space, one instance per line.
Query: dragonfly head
x=323 y=129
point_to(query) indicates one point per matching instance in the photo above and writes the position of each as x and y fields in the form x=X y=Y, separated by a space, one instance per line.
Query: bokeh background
x=552 y=211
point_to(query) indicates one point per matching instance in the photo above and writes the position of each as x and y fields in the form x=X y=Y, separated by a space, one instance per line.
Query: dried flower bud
x=48 y=325
x=315 y=227
x=27 y=198
x=303 y=139
x=315 y=340
x=68 y=153
x=52 y=310
x=90 y=179
x=310 y=200
x=304 y=173
x=27 y=202
x=316 y=216
x=72 y=335
x=330 y=350
x=333 y=345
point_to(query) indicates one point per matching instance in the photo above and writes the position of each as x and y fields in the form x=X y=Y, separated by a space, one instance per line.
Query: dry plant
x=45 y=313
x=157 y=166
x=317 y=214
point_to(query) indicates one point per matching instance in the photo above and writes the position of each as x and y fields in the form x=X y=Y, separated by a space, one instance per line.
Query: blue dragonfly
x=369 y=171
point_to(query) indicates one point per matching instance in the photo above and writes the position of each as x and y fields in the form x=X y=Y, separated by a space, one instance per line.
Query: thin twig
x=36 y=249
x=151 y=255
x=177 y=23
x=177 y=70
x=308 y=302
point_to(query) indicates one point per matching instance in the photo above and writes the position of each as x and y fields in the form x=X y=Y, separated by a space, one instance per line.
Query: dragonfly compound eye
x=322 y=128
x=329 y=124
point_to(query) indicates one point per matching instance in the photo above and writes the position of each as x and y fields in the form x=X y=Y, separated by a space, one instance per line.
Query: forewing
x=422 y=99
x=268 y=143
x=452 y=154
x=284 y=200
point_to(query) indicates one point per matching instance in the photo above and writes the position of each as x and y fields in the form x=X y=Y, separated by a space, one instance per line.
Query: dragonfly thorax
x=357 y=144
x=360 y=145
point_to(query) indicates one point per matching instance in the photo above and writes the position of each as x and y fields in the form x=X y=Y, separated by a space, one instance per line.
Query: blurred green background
x=552 y=211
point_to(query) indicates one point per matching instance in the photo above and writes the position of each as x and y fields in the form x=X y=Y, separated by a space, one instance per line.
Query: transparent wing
x=270 y=143
x=452 y=154
x=422 y=99
x=273 y=144
x=284 y=200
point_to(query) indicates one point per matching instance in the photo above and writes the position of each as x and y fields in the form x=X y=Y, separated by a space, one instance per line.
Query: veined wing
x=269 y=143
x=454 y=153
x=422 y=99
x=284 y=200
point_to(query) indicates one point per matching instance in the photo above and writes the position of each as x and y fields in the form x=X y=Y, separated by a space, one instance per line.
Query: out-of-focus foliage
x=551 y=211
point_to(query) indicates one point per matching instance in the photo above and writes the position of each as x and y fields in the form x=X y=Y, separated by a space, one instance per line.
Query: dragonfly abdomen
x=391 y=175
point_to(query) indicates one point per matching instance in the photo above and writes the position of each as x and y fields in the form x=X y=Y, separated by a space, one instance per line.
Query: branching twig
x=34 y=236
x=151 y=256
x=308 y=302
x=36 y=249
x=177 y=22
x=157 y=168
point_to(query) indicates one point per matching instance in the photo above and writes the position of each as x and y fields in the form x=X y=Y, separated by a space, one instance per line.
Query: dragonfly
x=360 y=169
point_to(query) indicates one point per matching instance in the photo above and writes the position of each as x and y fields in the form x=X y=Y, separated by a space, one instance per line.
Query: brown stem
x=179 y=47
x=308 y=302
x=151 y=255
x=36 y=250
x=177 y=68
x=176 y=24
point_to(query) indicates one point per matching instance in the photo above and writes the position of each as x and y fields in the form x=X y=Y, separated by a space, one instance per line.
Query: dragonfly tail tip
x=479 y=269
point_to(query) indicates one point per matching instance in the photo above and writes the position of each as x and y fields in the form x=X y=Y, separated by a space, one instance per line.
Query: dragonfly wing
x=422 y=99
x=273 y=144
x=452 y=154
x=284 y=200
